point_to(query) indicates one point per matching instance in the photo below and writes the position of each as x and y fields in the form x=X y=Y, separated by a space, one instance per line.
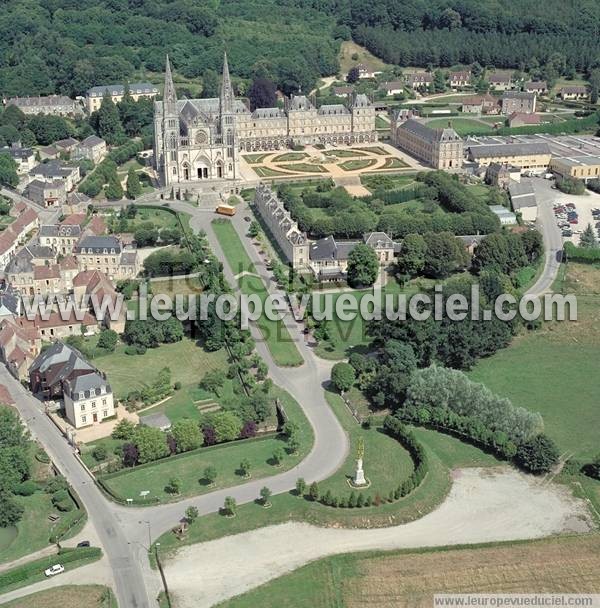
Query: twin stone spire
x=226 y=97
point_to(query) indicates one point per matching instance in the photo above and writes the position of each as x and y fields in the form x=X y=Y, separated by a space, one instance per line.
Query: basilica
x=202 y=139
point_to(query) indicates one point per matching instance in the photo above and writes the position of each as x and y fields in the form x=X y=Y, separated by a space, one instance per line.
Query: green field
x=391 y=162
x=463 y=126
x=187 y=361
x=554 y=370
x=268 y=172
x=341 y=153
x=225 y=458
x=68 y=596
x=389 y=182
x=289 y=157
x=275 y=333
x=255 y=159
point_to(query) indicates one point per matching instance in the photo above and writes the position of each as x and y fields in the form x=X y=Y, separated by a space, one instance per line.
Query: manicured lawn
x=289 y=507
x=391 y=162
x=381 y=123
x=268 y=172
x=234 y=250
x=225 y=458
x=69 y=596
x=172 y=286
x=304 y=168
x=255 y=158
x=355 y=165
x=275 y=333
x=187 y=361
x=340 y=153
x=386 y=462
x=554 y=370
x=463 y=126
x=373 y=150
x=289 y=157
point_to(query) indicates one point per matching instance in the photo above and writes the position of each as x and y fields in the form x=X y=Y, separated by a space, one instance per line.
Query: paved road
x=553 y=242
x=125 y=533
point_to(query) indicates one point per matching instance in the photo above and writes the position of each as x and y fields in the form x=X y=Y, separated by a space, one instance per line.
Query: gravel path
x=483 y=505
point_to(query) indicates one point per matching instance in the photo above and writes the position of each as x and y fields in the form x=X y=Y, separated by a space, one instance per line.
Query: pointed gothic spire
x=169 y=95
x=226 y=88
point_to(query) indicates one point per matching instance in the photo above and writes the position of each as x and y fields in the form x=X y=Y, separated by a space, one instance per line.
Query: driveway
x=484 y=505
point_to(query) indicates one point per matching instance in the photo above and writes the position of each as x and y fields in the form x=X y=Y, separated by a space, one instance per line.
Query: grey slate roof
x=427 y=133
x=336 y=108
x=98 y=244
x=330 y=249
x=91 y=141
x=53 y=168
x=56 y=230
x=118 y=89
x=519 y=149
x=17 y=152
x=518 y=95
x=268 y=113
x=89 y=385
x=60 y=353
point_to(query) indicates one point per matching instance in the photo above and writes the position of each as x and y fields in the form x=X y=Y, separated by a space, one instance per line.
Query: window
x=83 y=419
x=104 y=413
x=93 y=404
x=103 y=401
x=83 y=407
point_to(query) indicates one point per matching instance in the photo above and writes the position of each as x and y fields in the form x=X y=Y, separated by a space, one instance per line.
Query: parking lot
x=574 y=213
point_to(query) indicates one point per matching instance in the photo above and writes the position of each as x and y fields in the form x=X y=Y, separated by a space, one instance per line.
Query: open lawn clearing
x=226 y=458
x=403 y=579
x=350 y=49
x=187 y=361
x=373 y=150
x=463 y=126
x=554 y=371
x=275 y=333
x=161 y=218
x=478 y=500
x=479 y=190
x=69 y=596
x=381 y=124
x=172 y=286
x=355 y=165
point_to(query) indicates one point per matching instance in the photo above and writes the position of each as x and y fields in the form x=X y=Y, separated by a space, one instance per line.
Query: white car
x=53 y=570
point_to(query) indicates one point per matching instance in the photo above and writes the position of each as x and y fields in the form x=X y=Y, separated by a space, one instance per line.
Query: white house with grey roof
x=24 y=157
x=88 y=399
x=54 y=170
x=92 y=148
x=137 y=90
x=106 y=254
x=58 y=105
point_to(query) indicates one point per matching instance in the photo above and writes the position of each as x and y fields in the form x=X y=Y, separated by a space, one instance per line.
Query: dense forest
x=66 y=46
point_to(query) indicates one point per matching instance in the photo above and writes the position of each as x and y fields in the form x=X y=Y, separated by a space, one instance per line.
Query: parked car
x=567 y=233
x=84 y=543
x=54 y=570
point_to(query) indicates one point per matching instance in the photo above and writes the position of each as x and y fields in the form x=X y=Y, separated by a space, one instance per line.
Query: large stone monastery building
x=201 y=139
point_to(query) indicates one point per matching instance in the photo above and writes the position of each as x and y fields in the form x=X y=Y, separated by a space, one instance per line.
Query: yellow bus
x=225 y=210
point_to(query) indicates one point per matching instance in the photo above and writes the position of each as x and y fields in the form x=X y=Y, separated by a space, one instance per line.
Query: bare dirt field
x=484 y=505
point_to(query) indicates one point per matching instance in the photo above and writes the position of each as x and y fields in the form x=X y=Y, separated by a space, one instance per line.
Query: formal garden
x=354 y=160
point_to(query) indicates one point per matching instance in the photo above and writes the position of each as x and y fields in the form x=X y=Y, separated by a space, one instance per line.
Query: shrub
x=26 y=488
x=538 y=455
x=99 y=453
x=343 y=376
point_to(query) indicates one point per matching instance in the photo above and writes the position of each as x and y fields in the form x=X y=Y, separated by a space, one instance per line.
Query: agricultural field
x=554 y=370
x=397 y=579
